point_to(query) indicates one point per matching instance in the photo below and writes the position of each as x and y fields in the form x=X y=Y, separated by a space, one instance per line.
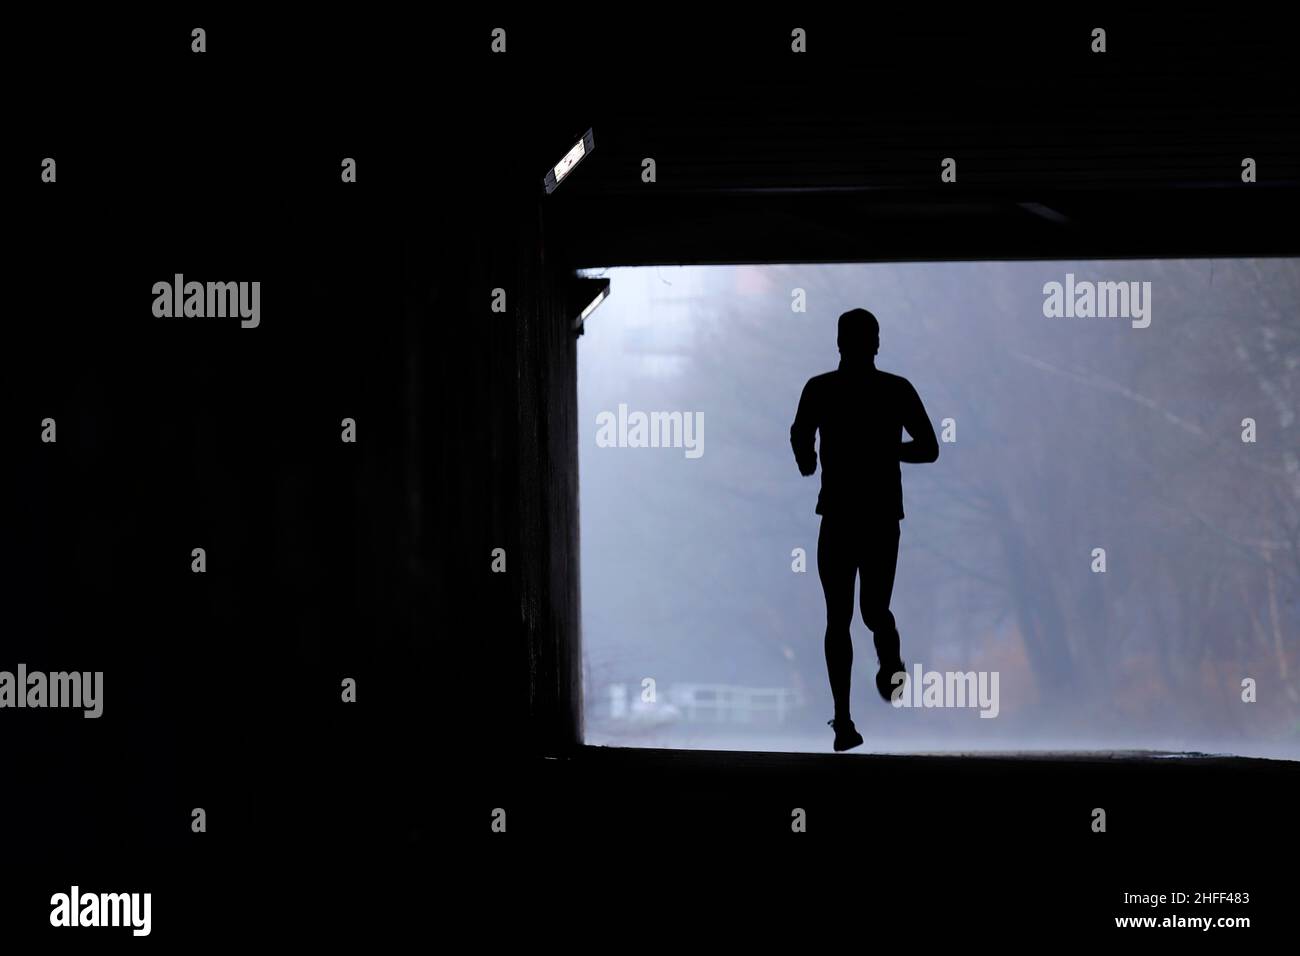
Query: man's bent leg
x=837 y=567
x=878 y=563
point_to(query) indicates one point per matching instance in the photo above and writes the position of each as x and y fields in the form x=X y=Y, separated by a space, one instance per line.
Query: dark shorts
x=855 y=547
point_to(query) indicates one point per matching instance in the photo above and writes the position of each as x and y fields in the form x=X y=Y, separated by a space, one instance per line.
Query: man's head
x=859 y=335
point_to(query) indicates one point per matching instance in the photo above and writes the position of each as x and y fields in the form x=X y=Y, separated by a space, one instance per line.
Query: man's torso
x=860 y=421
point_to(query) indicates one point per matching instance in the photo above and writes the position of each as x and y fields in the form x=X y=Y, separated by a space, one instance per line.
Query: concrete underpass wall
x=498 y=425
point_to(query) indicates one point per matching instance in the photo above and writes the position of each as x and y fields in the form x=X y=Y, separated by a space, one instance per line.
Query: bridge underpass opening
x=1101 y=558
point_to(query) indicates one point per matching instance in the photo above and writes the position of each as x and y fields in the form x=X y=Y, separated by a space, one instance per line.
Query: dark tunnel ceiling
x=1058 y=156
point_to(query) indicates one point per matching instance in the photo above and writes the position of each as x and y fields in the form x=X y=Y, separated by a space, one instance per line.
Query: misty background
x=1071 y=434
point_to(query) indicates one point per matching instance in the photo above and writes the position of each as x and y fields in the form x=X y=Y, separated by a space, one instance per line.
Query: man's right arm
x=924 y=446
x=803 y=432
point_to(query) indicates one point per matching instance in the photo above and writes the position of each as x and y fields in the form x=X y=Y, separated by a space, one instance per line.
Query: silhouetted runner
x=861 y=413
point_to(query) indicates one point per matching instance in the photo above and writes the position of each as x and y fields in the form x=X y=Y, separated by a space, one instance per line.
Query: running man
x=861 y=413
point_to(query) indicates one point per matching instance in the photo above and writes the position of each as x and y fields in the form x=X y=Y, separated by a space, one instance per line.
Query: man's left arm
x=804 y=431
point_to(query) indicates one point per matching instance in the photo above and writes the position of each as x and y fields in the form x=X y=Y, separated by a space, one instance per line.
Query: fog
x=1065 y=441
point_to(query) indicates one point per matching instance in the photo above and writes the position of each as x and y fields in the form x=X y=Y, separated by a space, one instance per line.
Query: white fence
x=708 y=703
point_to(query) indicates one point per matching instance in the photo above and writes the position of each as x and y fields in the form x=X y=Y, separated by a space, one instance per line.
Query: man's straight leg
x=837 y=568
